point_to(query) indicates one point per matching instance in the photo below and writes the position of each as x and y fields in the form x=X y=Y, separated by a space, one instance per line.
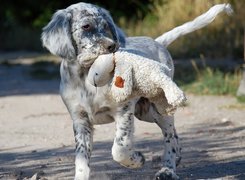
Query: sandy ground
x=36 y=138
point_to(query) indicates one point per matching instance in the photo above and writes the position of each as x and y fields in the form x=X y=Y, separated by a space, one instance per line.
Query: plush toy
x=131 y=76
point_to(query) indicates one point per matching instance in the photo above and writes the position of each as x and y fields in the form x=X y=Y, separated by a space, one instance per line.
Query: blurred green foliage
x=222 y=38
x=203 y=79
x=36 y=14
x=214 y=82
x=21 y=23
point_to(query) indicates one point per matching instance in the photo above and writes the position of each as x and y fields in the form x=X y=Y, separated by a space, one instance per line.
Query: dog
x=79 y=34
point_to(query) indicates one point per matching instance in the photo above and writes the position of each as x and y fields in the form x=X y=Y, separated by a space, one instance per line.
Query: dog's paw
x=177 y=161
x=166 y=174
x=134 y=159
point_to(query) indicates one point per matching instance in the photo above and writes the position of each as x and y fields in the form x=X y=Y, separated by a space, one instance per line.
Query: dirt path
x=36 y=135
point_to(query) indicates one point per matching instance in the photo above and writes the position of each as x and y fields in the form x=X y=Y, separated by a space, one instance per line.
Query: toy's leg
x=123 y=148
x=146 y=111
x=172 y=93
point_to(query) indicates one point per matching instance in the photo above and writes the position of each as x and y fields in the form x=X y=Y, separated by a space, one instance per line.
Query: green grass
x=213 y=82
x=208 y=81
x=241 y=99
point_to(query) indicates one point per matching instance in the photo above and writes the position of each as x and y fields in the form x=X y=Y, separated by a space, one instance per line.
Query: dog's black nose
x=112 y=47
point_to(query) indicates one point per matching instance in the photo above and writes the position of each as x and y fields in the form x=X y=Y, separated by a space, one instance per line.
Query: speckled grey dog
x=79 y=34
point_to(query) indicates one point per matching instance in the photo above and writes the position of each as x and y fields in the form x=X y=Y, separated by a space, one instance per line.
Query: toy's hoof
x=166 y=174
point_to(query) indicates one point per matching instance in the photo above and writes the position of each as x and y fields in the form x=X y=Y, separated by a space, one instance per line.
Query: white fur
x=82 y=170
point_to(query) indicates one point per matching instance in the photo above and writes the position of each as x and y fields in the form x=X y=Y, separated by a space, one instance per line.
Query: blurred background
x=208 y=61
x=36 y=137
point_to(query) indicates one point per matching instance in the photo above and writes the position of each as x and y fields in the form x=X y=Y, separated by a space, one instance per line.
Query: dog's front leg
x=123 y=148
x=83 y=132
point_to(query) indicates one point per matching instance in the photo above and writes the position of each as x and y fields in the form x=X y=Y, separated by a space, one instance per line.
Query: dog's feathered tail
x=198 y=23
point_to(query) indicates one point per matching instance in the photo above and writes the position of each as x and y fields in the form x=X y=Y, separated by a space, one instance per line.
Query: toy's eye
x=86 y=27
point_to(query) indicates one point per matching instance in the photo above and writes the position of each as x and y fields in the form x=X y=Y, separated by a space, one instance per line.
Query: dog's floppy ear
x=56 y=36
x=117 y=33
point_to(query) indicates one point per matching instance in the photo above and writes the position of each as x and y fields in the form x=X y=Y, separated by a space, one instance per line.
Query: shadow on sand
x=29 y=76
x=200 y=146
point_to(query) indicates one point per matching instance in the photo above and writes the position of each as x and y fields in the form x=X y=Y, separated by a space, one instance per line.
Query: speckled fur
x=68 y=36
x=89 y=105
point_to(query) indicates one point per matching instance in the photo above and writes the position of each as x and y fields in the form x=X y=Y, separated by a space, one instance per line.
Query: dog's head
x=82 y=32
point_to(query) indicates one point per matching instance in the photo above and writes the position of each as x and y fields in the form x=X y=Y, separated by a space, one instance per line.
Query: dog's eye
x=86 y=27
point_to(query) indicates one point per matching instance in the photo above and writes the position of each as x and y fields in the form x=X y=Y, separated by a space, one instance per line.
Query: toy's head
x=101 y=72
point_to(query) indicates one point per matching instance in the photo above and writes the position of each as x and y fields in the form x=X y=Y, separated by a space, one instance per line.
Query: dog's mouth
x=86 y=60
x=86 y=64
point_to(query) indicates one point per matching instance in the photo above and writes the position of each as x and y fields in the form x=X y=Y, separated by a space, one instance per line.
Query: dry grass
x=224 y=37
x=221 y=39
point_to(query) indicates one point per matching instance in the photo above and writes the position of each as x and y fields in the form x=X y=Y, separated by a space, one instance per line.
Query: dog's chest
x=95 y=97
x=79 y=95
x=95 y=101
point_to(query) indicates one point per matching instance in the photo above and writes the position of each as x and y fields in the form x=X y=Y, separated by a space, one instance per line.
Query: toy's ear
x=122 y=83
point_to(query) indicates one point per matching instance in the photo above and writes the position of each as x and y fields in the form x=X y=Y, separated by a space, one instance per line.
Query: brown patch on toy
x=119 y=82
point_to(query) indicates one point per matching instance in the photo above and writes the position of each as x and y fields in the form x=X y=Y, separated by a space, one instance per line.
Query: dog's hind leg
x=146 y=111
x=171 y=154
x=123 y=147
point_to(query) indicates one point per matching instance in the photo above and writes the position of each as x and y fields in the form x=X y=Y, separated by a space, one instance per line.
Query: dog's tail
x=198 y=23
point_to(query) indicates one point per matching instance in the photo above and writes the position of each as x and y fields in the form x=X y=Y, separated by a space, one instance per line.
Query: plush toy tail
x=198 y=23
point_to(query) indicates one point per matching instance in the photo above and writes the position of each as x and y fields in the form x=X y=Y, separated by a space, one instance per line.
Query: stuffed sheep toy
x=131 y=76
